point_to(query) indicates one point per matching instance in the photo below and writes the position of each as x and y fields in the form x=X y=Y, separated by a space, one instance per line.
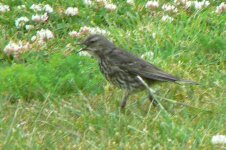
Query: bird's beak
x=82 y=49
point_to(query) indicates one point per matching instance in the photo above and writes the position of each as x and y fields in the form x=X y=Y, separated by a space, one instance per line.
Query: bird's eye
x=93 y=39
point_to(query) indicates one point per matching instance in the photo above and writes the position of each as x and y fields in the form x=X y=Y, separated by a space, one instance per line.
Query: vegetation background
x=53 y=98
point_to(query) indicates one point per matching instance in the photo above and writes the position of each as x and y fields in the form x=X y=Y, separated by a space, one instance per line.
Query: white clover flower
x=188 y=4
x=44 y=35
x=201 y=5
x=87 y=2
x=47 y=8
x=21 y=7
x=152 y=5
x=14 y=49
x=153 y=35
x=178 y=2
x=110 y=7
x=29 y=27
x=198 y=5
x=206 y=3
x=221 y=8
x=130 y=2
x=71 y=11
x=98 y=31
x=84 y=30
x=219 y=139
x=36 y=7
x=33 y=38
x=91 y=30
x=74 y=34
x=4 y=8
x=20 y=22
x=40 y=18
x=39 y=7
x=101 y=2
x=169 y=8
x=11 y=48
x=167 y=18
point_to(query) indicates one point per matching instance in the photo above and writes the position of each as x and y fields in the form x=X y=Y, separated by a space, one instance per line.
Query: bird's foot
x=123 y=105
x=153 y=100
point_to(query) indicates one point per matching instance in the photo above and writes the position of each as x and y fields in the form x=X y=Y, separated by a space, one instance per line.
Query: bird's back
x=137 y=66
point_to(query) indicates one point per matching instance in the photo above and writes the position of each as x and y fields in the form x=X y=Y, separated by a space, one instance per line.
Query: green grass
x=50 y=100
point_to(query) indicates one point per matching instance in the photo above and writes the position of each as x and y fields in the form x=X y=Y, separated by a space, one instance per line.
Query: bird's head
x=97 y=45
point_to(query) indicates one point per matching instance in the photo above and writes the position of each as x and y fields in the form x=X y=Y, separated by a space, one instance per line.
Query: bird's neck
x=105 y=53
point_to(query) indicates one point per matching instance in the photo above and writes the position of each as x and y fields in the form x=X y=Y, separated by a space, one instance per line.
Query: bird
x=125 y=70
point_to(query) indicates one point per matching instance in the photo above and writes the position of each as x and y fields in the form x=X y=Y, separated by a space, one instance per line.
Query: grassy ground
x=50 y=100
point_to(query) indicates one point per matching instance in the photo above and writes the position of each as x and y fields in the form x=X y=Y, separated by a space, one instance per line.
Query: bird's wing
x=137 y=66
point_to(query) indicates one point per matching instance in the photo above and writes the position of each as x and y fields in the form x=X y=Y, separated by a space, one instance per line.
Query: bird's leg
x=152 y=99
x=151 y=96
x=125 y=98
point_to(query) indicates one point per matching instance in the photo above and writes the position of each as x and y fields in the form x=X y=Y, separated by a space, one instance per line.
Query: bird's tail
x=186 y=82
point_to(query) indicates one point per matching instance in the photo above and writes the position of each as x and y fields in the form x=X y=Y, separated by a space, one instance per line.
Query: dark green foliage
x=59 y=76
